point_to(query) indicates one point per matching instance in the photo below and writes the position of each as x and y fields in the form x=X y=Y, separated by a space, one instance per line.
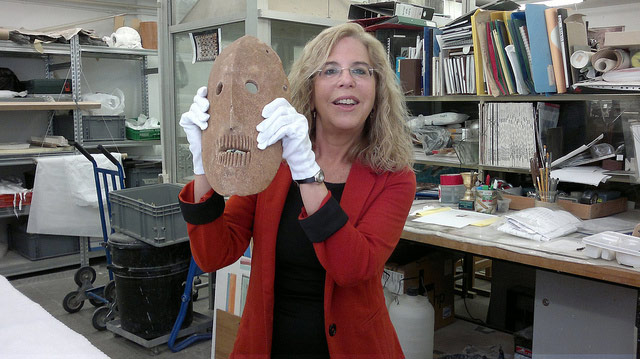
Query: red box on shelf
x=14 y=200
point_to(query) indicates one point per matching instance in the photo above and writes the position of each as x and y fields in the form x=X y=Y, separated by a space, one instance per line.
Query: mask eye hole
x=251 y=86
x=219 y=88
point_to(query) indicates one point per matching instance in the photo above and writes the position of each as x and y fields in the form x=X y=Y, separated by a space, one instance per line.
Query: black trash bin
x=149 y=284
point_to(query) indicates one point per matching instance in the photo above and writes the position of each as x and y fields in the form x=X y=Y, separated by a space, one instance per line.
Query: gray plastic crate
x=41 y=246
x=142 y=173
x=94 y=128
x=150 y=214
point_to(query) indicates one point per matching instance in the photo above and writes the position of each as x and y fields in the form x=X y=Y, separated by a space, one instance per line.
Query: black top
x=298 y=314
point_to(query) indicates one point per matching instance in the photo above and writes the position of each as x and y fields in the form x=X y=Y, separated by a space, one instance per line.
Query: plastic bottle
x=389 y=297
x=413 y=318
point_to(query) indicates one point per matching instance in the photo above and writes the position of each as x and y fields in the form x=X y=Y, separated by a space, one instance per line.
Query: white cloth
x=193 y=122
x=29 y=331
x=65 y=201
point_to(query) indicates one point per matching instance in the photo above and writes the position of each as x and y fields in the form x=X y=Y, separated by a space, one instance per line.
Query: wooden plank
x=37 y=106
x=600 y=272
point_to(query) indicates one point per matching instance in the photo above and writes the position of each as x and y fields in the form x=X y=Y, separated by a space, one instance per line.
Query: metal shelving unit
x=13 y=263
x=436 y=160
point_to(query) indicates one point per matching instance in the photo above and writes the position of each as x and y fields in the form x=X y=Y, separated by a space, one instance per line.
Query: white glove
x=283 y=122
x=194 y=122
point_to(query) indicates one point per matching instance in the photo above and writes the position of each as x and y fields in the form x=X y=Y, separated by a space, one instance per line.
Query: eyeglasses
x=333 y=72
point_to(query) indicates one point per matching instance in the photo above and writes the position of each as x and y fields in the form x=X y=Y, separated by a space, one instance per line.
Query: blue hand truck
x=102 y=297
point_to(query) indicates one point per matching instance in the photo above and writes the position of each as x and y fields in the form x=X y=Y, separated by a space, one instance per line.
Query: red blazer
x=357 y=323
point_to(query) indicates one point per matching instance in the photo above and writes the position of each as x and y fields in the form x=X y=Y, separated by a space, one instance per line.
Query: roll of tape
x=635 y=59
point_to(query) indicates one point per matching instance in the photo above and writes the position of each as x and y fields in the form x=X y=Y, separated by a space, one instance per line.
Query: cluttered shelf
x=123 y=143
x=567 y=97
x=8 y=47
x=15 y=105
x=28 y=155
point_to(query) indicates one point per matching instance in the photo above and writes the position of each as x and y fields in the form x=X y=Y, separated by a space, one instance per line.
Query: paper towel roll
x=635 y=59
x=580 y=58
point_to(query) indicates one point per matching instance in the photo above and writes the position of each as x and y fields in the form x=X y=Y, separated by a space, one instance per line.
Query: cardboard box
x=227 y=325
x=582 y=211
x=149 y=34
x=622 y=39
x=435 y=268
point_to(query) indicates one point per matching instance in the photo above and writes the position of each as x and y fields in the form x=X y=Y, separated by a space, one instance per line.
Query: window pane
x=188 y=78
x=288 y=39
x=185 y=11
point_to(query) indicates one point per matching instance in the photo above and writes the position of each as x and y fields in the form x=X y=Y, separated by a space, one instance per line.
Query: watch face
x=320 y=176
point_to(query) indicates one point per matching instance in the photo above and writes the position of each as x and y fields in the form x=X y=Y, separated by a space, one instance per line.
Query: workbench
x=583 y=306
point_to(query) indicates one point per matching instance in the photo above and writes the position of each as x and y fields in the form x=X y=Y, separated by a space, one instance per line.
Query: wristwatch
x=317 y=178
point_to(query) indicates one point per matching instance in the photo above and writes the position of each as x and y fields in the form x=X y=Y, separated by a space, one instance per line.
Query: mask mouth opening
x=234 y=151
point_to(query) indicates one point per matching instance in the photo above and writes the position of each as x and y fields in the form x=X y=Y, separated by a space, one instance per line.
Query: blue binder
x=430 y=50
x=541 y=65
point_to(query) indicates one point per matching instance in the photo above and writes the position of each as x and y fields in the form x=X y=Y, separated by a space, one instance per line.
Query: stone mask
x=245 y=77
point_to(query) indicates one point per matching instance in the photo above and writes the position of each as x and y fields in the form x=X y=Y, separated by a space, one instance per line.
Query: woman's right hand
x=193 y=122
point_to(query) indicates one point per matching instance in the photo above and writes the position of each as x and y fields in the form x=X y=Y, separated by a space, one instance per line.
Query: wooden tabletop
x=563 y=255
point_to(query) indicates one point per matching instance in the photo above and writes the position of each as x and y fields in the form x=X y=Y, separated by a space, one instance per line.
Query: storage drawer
x=52 y=86
x=41 y=246
x=94 y=128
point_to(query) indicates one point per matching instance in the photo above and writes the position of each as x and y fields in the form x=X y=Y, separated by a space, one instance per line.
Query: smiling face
x=344 y=99
x=245 y=77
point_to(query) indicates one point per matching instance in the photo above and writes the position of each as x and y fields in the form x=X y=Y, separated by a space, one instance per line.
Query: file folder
x=541 y=65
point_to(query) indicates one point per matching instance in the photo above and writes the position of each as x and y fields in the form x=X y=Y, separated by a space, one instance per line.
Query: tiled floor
x=49 y=289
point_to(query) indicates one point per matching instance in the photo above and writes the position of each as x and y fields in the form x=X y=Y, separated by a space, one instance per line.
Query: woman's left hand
x=283 y=122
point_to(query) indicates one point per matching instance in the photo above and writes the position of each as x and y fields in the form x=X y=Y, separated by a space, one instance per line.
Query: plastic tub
x=149 y=213
x=612 y=245
x=503 y=205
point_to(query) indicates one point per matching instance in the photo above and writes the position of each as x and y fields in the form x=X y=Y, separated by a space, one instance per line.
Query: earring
x=314 y=114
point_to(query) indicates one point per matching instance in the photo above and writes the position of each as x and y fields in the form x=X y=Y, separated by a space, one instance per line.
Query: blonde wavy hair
x=386 y=142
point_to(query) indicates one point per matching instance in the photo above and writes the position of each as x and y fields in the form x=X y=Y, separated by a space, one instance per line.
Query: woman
x=320 y=244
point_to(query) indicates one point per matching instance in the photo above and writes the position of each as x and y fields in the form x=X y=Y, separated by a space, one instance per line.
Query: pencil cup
x=548 y=200
x=549 y=196
x=486 y=201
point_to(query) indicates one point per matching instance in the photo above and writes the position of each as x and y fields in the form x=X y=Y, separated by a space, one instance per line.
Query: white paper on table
x=590 y=175
x=597 y=225
x=539 y=223
x=454 y=218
